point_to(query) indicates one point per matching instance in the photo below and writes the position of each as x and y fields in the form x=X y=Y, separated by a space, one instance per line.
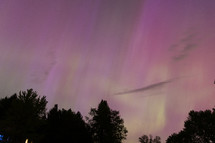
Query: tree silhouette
x=22 y=116
x=66 y=126
x=146 y=139
x=157 y=139
x=106 y=124
x=198 y=128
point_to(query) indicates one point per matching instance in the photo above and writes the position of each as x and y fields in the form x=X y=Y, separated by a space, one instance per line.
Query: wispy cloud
x=149 y=87
x=183 y=47
x=40 y=74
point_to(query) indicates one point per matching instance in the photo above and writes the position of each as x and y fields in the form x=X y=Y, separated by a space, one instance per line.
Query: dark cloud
x=149 y=87
x=40 y=74
x=189 y=47
x=188 y=38
x=179 y=57
x=183 y=47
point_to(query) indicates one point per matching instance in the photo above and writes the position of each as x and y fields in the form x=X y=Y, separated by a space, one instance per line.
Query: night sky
x=152 y=60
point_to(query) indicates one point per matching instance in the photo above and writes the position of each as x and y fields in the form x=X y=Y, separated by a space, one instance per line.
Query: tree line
x=23 y=118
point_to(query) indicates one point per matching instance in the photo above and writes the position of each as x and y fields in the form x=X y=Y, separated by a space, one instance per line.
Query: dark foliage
x=149 y=139
x=198 y=128
x=66 y=126
x=106 y=124
x=22 y=116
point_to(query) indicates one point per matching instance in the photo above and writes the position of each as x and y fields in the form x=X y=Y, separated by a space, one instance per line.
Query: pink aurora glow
x=77 y=52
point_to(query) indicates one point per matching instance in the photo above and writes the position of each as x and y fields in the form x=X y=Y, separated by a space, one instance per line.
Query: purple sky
x=158 y=54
